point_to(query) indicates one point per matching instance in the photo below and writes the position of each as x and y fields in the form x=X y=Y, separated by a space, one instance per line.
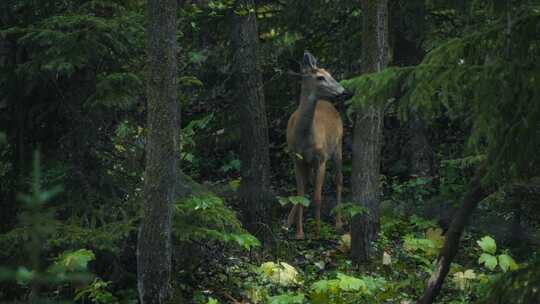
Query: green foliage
x=72 y=261
x=187 y=141
x=97 y=293
x=279 y=273
x=72 y=77
x=475 y=75
x=346 y=289
x=349 y=210
x=487 y=244
x=428 y=246
x=294 y=200
x=489 y=258
x=37 y=220
x=407 y=195
x=204 y=218
x=288 y=298
x=382 y=87
x=233 y=165
x=519 y=286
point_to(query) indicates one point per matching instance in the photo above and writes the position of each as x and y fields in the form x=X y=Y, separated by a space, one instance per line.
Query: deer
x=314 y=136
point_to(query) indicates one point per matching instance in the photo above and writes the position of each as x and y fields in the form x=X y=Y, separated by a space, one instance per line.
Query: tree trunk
x=453 y=235
x=408 y=40
x=420 y=153
x=15 y=123
x=368 y=133
x=248 y=87
x=162 y=150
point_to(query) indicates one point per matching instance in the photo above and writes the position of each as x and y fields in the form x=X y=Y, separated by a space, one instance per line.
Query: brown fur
x=310 y=153
x=328 y=129
x=314 y=135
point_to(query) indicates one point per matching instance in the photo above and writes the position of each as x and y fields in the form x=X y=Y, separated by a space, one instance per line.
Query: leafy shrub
x=346 y=289
x=280 y=273
x=205 y=217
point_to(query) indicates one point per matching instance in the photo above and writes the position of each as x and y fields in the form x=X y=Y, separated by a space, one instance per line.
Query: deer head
x=318 y=81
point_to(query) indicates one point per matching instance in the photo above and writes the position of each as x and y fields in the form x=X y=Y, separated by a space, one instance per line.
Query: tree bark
x=162 y=150
x=421 y=156
x=368 y=133
x=453 y=235
x=14 y=123
x=408 y=40
x=254 y=188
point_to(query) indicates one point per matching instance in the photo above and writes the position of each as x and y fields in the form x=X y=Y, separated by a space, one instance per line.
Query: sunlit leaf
x=299 y=200
x=287 y=298
x=488 y=260
x=506 y=263
x=487 y=244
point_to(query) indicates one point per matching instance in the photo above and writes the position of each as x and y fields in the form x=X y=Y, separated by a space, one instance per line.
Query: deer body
x=314 y=136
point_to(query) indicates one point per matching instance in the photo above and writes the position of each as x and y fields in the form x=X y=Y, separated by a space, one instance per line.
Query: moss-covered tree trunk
x=368 y=133
x=162 y=150
x=249 y=95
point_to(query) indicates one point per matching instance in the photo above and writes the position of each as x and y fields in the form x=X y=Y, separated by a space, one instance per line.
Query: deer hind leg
x=317 y=196
x=339 y=187
x=302 y=177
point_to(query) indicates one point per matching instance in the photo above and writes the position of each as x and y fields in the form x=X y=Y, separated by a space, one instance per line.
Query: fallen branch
x=451 y=245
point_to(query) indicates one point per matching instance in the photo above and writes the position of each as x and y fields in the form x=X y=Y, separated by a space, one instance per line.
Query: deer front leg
x=317 y=196
x=302 y=176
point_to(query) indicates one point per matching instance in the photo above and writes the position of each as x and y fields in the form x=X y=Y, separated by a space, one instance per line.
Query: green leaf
x=323 y=286
x=488 y=260
x=75 y=260
x=23 y=275
x=287 y=298
x=212 y=301
x=461 y=279
x=196 y=57
x=283 y=200
x=234 y=184
x=190 y=81
x=295 y=200
x=348 y=283
x=246 y=240
x=282 y=273
x=487 y=244
x=506 y=263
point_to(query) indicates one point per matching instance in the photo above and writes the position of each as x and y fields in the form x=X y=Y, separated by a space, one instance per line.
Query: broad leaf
x=283 y=200
x=487 y=244
x=488 y=260
x=287 y=298
x=299 y=200
x=461 y=278
x=506 y=263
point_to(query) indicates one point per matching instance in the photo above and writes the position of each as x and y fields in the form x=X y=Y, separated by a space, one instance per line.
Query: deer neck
x=306 y=112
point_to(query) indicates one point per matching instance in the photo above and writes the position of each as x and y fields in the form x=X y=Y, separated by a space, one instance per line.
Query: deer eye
x=320 y=78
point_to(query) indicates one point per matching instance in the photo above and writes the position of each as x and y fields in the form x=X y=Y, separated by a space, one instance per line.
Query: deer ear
x=309 y=62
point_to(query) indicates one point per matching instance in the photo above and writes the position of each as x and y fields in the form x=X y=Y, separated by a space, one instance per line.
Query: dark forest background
x=459 y=99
